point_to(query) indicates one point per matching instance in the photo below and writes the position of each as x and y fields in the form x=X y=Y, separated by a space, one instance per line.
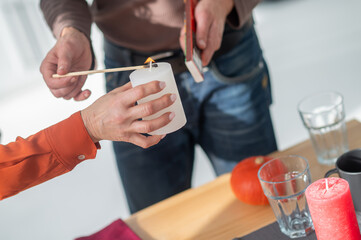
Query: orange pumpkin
x=244 y=181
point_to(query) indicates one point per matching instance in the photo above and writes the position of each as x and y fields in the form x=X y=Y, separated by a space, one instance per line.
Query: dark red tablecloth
x=117 y=230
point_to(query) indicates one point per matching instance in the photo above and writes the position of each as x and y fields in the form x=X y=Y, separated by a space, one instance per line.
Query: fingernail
x=86 y=94
x=202 y=43
x=163 y=136
x=60 y=67
x=173 y=97
x=171 y=115
x=73 y=80
x=162 y=85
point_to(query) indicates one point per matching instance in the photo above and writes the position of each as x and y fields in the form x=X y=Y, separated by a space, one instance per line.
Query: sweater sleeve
x=67 y=13
x=241 y=12
x=44 y=155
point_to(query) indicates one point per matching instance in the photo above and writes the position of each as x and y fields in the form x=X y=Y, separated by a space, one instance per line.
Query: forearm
x=44 y=155
x=67 y=13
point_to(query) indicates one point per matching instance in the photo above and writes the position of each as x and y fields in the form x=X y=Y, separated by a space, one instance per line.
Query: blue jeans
x=227 y=115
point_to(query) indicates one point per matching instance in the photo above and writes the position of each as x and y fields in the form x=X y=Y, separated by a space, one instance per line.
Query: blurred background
x=310 y=46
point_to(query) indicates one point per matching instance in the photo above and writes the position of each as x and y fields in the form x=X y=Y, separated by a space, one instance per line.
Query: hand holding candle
x=163 y=72
x=332 y=211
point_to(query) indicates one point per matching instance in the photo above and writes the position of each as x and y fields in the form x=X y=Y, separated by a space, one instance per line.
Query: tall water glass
x=284 y=181
x=323 y=115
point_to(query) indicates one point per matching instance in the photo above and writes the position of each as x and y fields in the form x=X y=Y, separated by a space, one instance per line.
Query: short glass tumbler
x=284 y=181
x=323 y=114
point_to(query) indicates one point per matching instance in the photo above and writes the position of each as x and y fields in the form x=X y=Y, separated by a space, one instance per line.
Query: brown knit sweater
x=142 y=25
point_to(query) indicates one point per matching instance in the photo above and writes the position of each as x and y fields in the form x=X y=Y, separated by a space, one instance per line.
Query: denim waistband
x=131 y=57
x=175 y=57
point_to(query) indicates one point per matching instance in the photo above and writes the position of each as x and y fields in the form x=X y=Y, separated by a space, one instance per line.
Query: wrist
x=229 y=5
x=74 y=34
x=89 y=126
x=70 y=31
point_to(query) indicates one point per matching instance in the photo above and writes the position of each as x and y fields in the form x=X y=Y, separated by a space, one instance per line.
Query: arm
x=59 y=148
x=45 y=155
x=67 y=13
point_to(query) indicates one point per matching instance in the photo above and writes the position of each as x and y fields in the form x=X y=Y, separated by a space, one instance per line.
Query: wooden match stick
x=104 y=70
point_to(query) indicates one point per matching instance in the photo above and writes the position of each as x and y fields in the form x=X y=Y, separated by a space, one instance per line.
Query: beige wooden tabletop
x=212 y=212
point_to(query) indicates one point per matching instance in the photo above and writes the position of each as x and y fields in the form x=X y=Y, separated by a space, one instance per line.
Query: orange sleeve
x=44 y=155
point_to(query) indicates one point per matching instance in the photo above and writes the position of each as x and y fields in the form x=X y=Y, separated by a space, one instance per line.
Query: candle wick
x=326 y=185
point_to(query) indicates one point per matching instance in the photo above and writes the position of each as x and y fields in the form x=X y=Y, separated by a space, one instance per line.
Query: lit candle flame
x=150 y=61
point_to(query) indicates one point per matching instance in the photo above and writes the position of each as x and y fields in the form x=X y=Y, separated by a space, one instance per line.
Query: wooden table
x=211 y=211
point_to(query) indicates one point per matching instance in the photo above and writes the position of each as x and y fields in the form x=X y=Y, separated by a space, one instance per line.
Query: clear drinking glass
x=323 y=115
x=284 y=181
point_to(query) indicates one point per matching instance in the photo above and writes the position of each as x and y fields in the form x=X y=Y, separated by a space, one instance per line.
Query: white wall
x=24 y=41
x=310 y=46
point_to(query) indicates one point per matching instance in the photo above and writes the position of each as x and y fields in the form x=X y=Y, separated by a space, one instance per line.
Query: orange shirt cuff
x=71 y=142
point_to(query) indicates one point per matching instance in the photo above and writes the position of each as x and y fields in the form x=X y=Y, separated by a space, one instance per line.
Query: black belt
x=174 y=57
x=118 y=53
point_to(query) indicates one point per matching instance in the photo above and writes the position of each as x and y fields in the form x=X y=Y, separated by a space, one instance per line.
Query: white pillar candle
x=162 y=73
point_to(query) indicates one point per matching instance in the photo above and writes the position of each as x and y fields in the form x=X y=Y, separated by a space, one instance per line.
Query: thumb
x=64 y=63
x=202 y=28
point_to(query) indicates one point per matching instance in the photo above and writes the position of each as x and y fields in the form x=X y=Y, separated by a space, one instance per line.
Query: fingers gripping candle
x=332 y=211
x=163 y=72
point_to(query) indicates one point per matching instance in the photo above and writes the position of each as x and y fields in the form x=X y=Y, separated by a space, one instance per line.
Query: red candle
x=332 y=210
